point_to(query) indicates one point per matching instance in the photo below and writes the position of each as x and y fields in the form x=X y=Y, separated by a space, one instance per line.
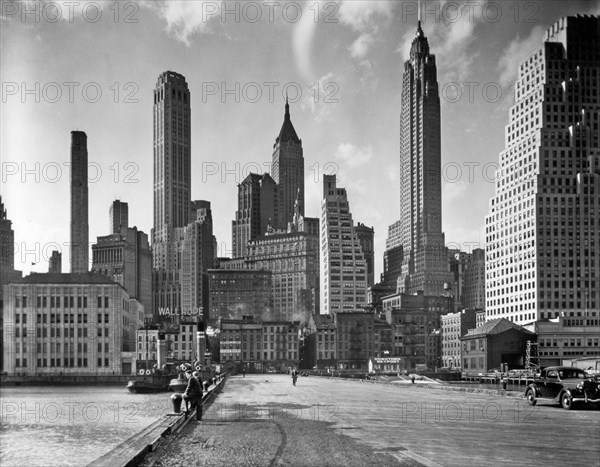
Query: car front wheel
x=566 y=401
x=530 y=396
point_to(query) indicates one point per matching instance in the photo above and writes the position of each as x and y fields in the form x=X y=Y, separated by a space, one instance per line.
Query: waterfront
x=57 y=425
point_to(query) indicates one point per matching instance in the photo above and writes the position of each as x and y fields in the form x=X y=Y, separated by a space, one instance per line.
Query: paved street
x=405 y=425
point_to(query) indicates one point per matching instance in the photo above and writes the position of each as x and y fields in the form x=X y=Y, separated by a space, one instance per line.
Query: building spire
x=419 y=30
x=287 y=107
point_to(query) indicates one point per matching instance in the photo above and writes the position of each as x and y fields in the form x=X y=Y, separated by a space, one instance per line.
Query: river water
x=71 y=426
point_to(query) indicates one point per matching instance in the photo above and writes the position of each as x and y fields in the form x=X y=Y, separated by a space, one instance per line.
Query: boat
x=150 y=381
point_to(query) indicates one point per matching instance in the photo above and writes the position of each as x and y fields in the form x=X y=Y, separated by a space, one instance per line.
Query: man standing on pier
x=193 y=394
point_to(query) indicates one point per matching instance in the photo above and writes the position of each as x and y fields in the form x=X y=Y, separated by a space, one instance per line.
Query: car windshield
x=571 y=373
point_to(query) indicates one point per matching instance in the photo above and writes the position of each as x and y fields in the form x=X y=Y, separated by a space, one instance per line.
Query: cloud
x=362 y=16
x=516 y=51
x=368 y=78
x=185 y=18
x=321 y=97
x=302 y=39
x=353 y=156
x=360 y=46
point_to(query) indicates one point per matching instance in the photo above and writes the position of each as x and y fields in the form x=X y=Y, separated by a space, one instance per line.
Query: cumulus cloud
x=353 y=156
x=185 y=18
x=516 y=51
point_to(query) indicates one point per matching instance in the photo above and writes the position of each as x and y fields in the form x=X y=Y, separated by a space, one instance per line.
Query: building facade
x=355 y=342
x=567 y=338
x=499 y=342
x=424 y=262
x=293 y=259
x=125 y=257
x=542 y=230
x=413 y=318
x=454 y=326
x=235 y=293
x=259 y=346
x=473 y=294
x=343 y=266
x=69 y=323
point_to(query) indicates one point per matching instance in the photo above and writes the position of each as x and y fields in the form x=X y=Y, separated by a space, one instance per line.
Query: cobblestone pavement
x=262 y=420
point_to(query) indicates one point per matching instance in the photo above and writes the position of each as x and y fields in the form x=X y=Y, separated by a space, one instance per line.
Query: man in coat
x=193 y=394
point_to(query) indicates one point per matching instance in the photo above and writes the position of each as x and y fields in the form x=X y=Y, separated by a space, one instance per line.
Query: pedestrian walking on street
x=244 y=372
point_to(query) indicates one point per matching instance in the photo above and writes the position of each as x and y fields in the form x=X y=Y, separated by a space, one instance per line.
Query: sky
x=92 y=66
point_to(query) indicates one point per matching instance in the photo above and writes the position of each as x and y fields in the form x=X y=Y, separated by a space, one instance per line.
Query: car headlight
x=579 y=386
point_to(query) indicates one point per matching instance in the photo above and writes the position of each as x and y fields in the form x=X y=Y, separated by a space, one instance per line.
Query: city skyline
x=340 y=137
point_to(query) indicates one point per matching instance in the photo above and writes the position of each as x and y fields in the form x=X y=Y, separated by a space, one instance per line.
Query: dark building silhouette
x=79 y=203
x=257 y=201
x=365 y=237
x=288 y=170
x=119 y=216
x=55 y=262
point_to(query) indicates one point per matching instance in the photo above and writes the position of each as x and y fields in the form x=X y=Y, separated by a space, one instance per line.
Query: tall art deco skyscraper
x=543 y=226
x=288 y=170
x=172 y=184
x=424 y=265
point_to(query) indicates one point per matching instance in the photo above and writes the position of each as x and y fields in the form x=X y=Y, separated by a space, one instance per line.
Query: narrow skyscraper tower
x=79 y=203
x=119 y=216
x=172 y=181
x=424 y=265
x=288 y=170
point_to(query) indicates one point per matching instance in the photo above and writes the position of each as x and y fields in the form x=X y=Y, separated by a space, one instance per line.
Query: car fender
x=535 y=389
x=562 y=393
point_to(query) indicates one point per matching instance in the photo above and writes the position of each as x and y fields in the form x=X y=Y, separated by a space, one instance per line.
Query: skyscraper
x=424 y=265
x=79 y=203
x=119 y=216
x=257 y=199
x=542 y=230
x=7 y=240
x=172 y=180
x=198 y=256
x=288 y=170
x=55 y=262
x=343 y=266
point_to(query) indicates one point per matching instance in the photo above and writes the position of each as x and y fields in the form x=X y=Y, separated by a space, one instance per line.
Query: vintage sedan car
x=565 y=385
